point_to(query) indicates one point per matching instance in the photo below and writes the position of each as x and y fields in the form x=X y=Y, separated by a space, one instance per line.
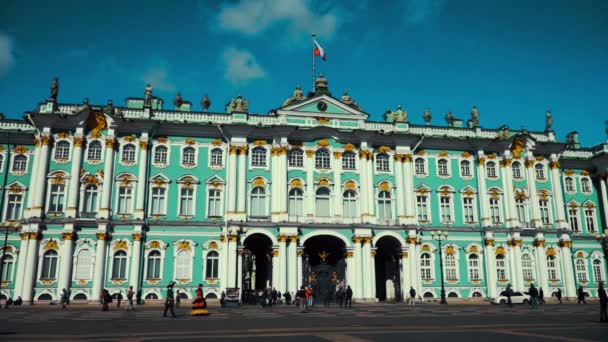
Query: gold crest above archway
x=97 y=121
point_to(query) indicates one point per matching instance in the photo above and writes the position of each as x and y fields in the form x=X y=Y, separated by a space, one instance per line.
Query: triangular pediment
x=323 y=105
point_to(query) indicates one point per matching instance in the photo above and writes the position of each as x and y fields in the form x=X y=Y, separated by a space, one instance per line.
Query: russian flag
x=318 y=51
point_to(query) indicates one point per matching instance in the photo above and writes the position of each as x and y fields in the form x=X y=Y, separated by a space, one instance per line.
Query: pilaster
x=242 y=183
x=136 y=259
x=281 y=285
x=490 y=264
x=399 y=180
x=108 y=168
x=410 y=197
x=30 y=267
x=292 y=268
x=99 y=275
x=142 y=183
x=507 y=174
x=483 y=190
x=72 y=205
x=275 y=268
x=541 y=260
x=231 y=195
x=23 y=256
x=604 y=191
x=558 y=194
x=531 y=181
x=299 y=253
x=337 y=198
x=358 y=269
x=67 y=251
x=40 y=174
x=566 y=244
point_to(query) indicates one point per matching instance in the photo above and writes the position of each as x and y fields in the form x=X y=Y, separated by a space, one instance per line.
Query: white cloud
x=419 y=11
x=241 y=66
x=298 y=18
x=158 y=75
x=7 y=57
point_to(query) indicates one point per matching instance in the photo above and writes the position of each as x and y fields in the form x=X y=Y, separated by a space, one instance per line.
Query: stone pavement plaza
x=364 y=322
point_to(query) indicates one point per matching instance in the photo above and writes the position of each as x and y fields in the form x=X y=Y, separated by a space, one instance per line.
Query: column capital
x=293 y=238
x=529 y=163
x=481 y=161
x=78 y=141
x=412 y=240
x=517 y=242
x=489 y=242
x=565 y=243
x=24 y=236
x=404 y=255
x=110 y=142
x=539 y=243
x=103 y=236
x=283 y=238
x=143 y=145
x=45 y=139
x=275 y=253
x=300 y=252
x=137 y=236
x=554 y=165
x=68 y=236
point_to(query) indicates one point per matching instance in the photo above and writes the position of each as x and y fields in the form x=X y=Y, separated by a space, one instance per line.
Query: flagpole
x=313 y=62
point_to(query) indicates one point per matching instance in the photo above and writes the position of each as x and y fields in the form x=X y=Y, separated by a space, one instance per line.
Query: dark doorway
x=388 y=269
x=324 y=266
x=257 y=262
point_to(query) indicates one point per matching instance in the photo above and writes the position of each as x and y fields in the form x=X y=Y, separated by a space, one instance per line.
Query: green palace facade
x=311 y=193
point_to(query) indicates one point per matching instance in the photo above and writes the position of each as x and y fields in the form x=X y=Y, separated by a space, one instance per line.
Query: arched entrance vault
x=323 y=266
x=388 y=267
x=257 y=262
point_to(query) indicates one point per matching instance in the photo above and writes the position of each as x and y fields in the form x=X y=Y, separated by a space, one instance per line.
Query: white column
x=40 y=174
x=275 y=268
x=34 y=180
x=108 y=167
x=67 y=251
x=371 y=207
x=292 y=268
x=136 y=260
x=282 y=286
x=405 y=274
x=29 y=276
x=21 y=262
x=283 y=216
x=410 y=197
x=337 y=193
x=142 y=182
x=400 y=188
x=358 y=270
x=372 y=261
x=299 y=282
x=100 y=265
x=310 y=188
x=417 y=267
x=232 y=167
x=604 y=200
x=490 y=265
x=512 y=274
x=558 y=194
x=242 y=183
x=350 y=269
x=482 y=189
x=363 y=155
x=565 y=244
x=75 y=177
x=224 y=263
x=275 y=188
x=532 y=192
x=512 y=219
x=232 y=260
x=367 y=268
x=541 y=261
x=519 y=277
x=239 y=273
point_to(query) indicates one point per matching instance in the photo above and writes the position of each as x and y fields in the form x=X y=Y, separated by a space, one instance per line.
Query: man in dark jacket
x=601 y=292
x=558 y=294
x=581 y=294
x=349 y=297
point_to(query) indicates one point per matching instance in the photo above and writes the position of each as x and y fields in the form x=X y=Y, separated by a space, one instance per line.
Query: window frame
x=465 y=165
x=90 y=152
x=212 y=258
x=185 y=153
x=352 y=157
x=443 y=167
x=64 y=154
x=382 y=163
x=258 y=158
x=322 y=159
x=420 y=167
x=295 y=158
x=157 y=160
x=124 y=153
x=213 y=157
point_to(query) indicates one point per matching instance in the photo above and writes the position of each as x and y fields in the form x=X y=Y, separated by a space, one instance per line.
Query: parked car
x=516 y=298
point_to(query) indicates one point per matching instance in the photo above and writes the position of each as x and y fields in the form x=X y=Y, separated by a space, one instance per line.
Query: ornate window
x=186 y=199
x=491 y=169
x=90 y=199
x=258 y=156
x=57 y=198
x=128 y=153
x=495 y=211
x=544 y=211
x=468 y=204
x=598 y=273
x=322 y=159
x=62 y=150
x=49 y=265
x=161 y=154
x=1 y=163
x=426 y=270
x=540 y=171
x=258 y=202
x=445 y=209
x=154 y=262
x=522 y=210
x=442 y=167
x=296 y=203
x=84 y=263
x=216 y=157
x=420 y=167
x=422 y=208
x=14 y=207
x=451 y=272
x=296 y=157
x=501 y=268
x=552 y=267
x=465 y=168
x=516 y=170
x=574 y=218
x=20 y=163
x=382 y=162
x=119 y=265
x=125 y=200
x=8 y=264
x=527 y=267
x=212 y=265
x=183 y=265
x=581 y=270
x=94 y=151
x=158 y=201
x=349 y=204
x=474 y=267
x=322 y=200
x=590 y=219
x=585 y=185
x=214 y=206
x=385 y=214
x=569 y=184
x=348 y=160
x=189 y=156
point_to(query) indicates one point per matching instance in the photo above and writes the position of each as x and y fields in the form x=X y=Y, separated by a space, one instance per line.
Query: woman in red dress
x=199 y=305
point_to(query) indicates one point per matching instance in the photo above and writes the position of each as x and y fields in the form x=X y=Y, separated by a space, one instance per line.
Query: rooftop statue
x=399 y=115
x=297 y=95
x=475 y=117
x=346 y=99
x=548 y=121
x=54 y=89
x=238 y=105
x=427 y=116
x=449 y=118
x=178 y=101
x=321 y=86
x=205 y=103
x=109 y=109
x=148 y=95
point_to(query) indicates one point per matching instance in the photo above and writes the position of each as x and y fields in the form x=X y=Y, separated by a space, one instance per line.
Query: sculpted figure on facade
x=346 y=99
x=449 y=118
x=427 y=116
x=548 y=121
x=109 y=109
x=400 y=115
x=178 y=101
x=54 y=89
x=148 y=95
x=238 y=105
x=296 y=96
x=205 y=103
x=475 y=117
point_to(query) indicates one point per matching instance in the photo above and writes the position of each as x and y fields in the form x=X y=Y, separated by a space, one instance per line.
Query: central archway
x=388 y=270
x=257 y=262
x=324 y=267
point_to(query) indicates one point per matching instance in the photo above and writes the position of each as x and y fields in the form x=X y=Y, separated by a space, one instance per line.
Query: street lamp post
x=6 y=228
x=440 y=236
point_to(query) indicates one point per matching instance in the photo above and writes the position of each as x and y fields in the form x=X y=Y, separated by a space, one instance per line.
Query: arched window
x=569 y=184
x=296 y=157
x=128 y=153
x=501 y=267
x=186 y=205
x=527 y=268
x=160 y=154
x=90 y=199
x=585 y=185
x=322 y=202
x=258 y=202
x=451 y=273
x=382 y=162
x=581 y=270
x=19 y=163
x=49 y=265
x=575 y=224
x=442 y=167
x=258 y=156
x=62 y=150
x=189 y=156
x=296 y=203
x=551 y=268
x=57 y=198
x=495 y=211
x=598 y=274
x=465 y=168
x=212 y=262
x=545 y=217
x=125 y=200
x=445 y=209
x=420 y=166
x=522 y=210
x=349 y=204
x=425 y=266
x=14 y=206
x=491 y=169
x=422 y=208
x=84 y=262
x=215 y=200
x=474 y=269
x=348 y=160
x=8 y=263
x=540 y=171
x=151 y=296
x=94 y=152
x=516 y=169
x=183 y=265
x=158 y=201
x=590 y=218
x=477 y=294
x=154 y=260
x=216 y=157
x=322 y=159
x=119 y=265
x=468 y=205
x=384 y=206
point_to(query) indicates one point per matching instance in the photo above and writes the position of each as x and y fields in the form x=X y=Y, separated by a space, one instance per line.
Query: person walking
x=223 y=299
x=340 y=296
x=509 y=293
x=533 y=293
x=412 y=296
x=199 y=305
x=64 y=298
x=106 y=299
x=601 y=292
x=301 y=299
x=349 y=297
x=558 y=295
x=541 y=296
x=169 y=301
x=118 y=299
x=581 y=295
x=274 y=296
x=130 y=294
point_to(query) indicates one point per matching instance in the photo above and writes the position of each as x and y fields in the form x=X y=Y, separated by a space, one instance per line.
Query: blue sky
x=512 y=59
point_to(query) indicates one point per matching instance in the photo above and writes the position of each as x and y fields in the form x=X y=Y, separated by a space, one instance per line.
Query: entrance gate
x=324 y=266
